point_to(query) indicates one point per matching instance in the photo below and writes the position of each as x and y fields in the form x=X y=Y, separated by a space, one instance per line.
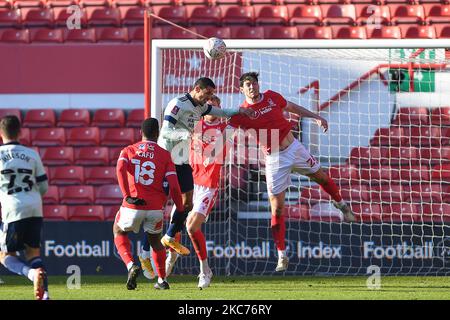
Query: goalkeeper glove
x=135 y=201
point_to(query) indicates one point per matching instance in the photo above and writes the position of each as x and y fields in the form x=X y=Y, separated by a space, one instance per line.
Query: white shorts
x=279 y=166
x=131 y=220
x=204 y=199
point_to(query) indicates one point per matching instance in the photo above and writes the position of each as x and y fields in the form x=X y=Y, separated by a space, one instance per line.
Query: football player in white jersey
x=23 y=182
x=180 y=117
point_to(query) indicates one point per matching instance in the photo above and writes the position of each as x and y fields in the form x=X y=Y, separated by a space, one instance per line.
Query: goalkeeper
x=180 y=117
x=284 y=155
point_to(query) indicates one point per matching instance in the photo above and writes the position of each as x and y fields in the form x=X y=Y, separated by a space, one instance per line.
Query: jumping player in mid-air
x=285 y=155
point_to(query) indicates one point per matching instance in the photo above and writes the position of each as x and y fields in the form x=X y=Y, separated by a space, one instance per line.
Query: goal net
x=387 y=148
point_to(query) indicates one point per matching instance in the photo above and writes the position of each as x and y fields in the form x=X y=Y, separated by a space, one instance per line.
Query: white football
x=214 y=48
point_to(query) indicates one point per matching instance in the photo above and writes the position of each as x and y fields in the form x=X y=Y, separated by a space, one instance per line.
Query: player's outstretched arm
x=295 y=108
x=121 y=172
x=227 y=112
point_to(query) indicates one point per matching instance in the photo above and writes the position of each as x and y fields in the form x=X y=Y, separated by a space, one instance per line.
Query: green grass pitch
x=236 y=288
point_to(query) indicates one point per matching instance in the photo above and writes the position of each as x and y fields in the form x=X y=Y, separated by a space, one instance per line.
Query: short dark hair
x=150 y=128
x=10 y=126
x=252 y=76
x=204 y=83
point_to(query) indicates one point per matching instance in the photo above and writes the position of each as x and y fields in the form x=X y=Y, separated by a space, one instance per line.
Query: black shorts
x=185 y=178
x=15 y=235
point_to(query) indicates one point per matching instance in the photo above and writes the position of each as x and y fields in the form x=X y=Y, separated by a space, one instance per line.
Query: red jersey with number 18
x=147 y=165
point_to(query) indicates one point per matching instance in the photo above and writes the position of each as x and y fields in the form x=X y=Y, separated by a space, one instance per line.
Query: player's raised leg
x=327 y=184
x=178 y=217
x=194 y=224
x=145 y=258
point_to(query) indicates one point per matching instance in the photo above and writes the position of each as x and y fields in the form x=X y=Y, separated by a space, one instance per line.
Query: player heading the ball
x=284 y=155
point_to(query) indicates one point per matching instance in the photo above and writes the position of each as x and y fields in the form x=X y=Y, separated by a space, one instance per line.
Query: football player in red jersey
x=206 y=160
x=284 y=154
x=141 y=170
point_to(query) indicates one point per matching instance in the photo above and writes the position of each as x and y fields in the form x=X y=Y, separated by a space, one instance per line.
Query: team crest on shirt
x=256 y=116
x=175 y=110
x=141 y=147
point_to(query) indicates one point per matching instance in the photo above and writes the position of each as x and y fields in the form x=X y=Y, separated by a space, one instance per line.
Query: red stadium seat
x=442 y=30
x=177 y=33
x=37 y=17
x=386 y=32
x=401 y=155
x=129 y=3
x=349 y=32
x=441 y=173
x=424 y=193
x=62 y=16
x=11 y=112
x=37 y=118
x=315 y=32
x=55 y=156
x=367 y=155
x=400 y=213
x=414 y=173
x=418 y=32
x=356 y=193
x=269 y=14
x=52 y=195
x=436 y=212
x=389 y=193
x=80 y=35
x=440 y=116
x=344 y=175
x=407 y=116
x=47 y=137
x=338 y=14
x=238 y=15
x=175 y=14
x=280 y=32
x=94 y=3
x=91 y=156
x=16 y=36
x=108 y=194
x=132 y=15
x=108 y=118
x=61 y=3
x=100 y=175
x=110 y=212
x=218 y=32
x=247 y=32
x=74 y=118
x=373 y=14
x=424 y=136
x=393 y=136
x=304 y=14
x=376 y=175
x=204 y=15
x=111 y=34
x=437 y=13
x=55 y=213
x=117 y=136
x=368 y=213
x=435 y=155
x=81 y=194
x=86 y=213
x=135 y=118
x=313 y=194
x=10 y=17
x=114 y=153
x=407 y=13
x=48 y=35
x=25 y=137
x=102 y=16
x=83 y=136
x=66 y=175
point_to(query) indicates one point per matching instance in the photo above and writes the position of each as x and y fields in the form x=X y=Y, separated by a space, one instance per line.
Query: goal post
x=392 y=168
